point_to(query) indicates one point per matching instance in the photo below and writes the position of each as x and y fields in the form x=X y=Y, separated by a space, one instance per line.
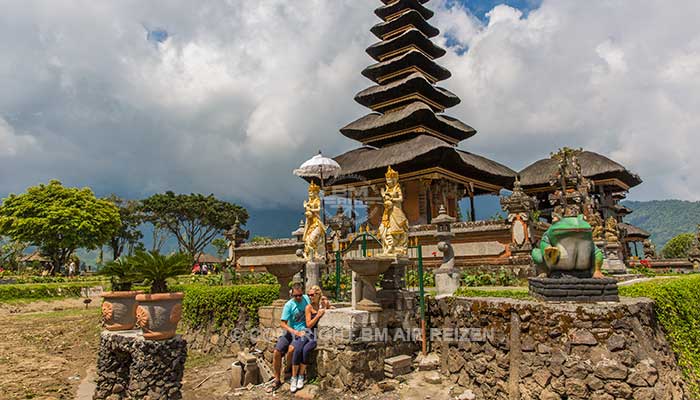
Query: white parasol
x=319 y=167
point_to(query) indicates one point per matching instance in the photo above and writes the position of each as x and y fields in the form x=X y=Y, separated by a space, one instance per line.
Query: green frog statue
x=567 y=250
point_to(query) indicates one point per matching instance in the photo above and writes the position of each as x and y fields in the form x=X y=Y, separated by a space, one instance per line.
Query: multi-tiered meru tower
x=407 y=128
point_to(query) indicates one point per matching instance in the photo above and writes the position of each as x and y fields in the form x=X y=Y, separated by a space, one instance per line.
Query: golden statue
x=314 y=232
x=597 y=224
x=611 y=234
x=393 y=230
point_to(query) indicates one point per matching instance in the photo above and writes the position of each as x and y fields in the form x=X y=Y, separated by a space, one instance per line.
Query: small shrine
x=568 y=259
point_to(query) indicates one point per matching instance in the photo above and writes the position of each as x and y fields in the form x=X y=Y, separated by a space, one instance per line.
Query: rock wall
x=510 y=349
x=230 y=338
x=348 y=367
x=130 y=367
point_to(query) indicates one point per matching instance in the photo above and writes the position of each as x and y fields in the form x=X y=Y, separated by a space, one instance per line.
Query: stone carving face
x=107 y=311
x=141 y=317
x=176 y=313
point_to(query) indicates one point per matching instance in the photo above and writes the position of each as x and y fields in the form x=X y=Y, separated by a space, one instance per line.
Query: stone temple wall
x=511 y=349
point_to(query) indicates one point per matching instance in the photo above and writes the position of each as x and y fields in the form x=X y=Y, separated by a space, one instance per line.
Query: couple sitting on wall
x=299 y=319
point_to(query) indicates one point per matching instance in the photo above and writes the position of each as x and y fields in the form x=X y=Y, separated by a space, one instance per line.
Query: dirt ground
x=46 y=347
x=48 y=350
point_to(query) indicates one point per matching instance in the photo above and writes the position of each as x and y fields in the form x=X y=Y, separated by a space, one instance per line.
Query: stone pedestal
x=613 y=261
x=393 y=295
x=356 y=294
x=130 y=367
x=368 y=270
x=284 y=272
x=582 y=290
x=447 y=281
x=313 y=274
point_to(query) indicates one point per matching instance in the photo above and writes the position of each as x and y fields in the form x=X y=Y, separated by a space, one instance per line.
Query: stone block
x=429 y=362
x=236 y=375
x=399 y=361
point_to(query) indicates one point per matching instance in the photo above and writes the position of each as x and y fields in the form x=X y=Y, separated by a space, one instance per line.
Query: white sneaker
x=293 y=384
x=300 y=382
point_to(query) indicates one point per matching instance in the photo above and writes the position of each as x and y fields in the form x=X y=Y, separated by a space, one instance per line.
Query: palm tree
x=122 y=274
x=159 y=268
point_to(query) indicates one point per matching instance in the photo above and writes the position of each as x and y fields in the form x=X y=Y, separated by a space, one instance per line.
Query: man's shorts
x=283 y=343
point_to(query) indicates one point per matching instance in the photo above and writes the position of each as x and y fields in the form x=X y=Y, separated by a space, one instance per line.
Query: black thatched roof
x=372 y=127
x=633 y=232
x=420 y=1
x=412 y=37
x=593 y=165
x=383 y=30
x=378 y=97
x=396 y=7
x=421 y=152
x=404 y=65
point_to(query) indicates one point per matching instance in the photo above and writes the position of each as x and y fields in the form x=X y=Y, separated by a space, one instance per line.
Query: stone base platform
x=130 y=367
x=530 y=350
x=352 y=344
x=583 y=290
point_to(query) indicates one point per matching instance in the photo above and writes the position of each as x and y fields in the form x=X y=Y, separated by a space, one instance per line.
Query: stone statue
x=567 y=249
x=596 y=222
x=314 y=231
x=393 y=230
x=649 y=249
x=611 y=232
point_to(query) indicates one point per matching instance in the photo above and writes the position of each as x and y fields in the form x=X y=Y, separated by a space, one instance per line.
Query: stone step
x=398 y=361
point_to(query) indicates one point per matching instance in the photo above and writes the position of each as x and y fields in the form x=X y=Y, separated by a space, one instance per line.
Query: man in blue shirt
x=293 y=322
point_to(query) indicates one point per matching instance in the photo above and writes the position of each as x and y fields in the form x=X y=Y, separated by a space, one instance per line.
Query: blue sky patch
x=480 y=7
x=157 y=35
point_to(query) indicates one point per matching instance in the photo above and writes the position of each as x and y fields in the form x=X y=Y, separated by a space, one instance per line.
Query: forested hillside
x=664 y=219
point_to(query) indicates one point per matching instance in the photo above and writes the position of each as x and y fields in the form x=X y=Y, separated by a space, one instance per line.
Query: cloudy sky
x=227 y=97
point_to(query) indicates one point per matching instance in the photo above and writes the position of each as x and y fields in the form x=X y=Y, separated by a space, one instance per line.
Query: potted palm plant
x=119 y=305
x=159 y=312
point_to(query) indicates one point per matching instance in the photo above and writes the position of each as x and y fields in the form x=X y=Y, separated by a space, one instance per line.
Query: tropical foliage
x=194 y=219
x=677 y=309
x=42 y=291
x=58 y=220
x=219 y=305
x=664 y=219
x=679 y=246
x=158 y=268
x=128 y=236
x=122 y=274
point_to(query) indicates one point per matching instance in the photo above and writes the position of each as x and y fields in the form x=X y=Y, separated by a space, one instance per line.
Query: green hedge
x=220 y=305
x=42 y=291
x=515 y=293
x=678 y=310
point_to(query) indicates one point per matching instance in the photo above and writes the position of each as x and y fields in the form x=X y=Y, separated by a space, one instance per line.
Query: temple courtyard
x=389 y=287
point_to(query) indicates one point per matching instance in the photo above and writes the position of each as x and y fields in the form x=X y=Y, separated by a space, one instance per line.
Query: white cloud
x=621 y=78
x=12 y=144
x=242 y=92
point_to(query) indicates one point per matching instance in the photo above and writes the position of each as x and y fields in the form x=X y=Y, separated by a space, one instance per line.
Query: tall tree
x=59 y=220
x=194 y=219
x=679 y=246
x=11 y=253
x=221 y=246
x=129 y=234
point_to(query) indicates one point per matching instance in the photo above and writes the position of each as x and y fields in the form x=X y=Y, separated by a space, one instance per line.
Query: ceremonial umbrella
x=319 y=167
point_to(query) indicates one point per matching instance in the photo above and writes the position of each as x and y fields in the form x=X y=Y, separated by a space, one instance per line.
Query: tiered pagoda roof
x=405 y=100
x=407 y=128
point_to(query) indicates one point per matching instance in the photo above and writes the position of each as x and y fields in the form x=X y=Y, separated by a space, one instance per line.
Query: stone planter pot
x=119 y=310
x=158 y=314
